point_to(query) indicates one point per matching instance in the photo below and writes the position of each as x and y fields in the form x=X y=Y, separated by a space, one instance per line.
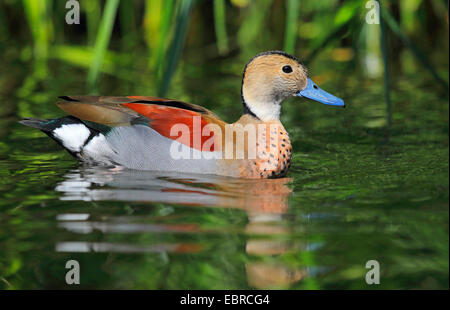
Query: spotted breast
x=273 y=152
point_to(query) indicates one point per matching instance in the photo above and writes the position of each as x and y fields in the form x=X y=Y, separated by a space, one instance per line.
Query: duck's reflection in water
x=265 y=202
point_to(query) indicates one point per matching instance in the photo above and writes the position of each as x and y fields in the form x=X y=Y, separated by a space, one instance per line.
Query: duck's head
x=271 y=77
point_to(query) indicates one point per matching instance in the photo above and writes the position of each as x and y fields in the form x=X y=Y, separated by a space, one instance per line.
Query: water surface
x=359 y=189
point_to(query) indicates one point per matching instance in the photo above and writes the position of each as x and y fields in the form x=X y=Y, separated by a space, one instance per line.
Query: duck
x=151 y=133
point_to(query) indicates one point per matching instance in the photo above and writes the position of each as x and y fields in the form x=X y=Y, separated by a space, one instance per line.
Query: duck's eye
x=287 y=69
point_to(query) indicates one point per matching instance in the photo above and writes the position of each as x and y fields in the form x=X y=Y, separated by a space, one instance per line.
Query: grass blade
x=101 y=43
x=153 y=16
x=93 y=13
x=386 y=69
x=220 y=26
x=290 y=34
x=36 y=12
x=116 y=64
x=176 y=45
x=167 y=14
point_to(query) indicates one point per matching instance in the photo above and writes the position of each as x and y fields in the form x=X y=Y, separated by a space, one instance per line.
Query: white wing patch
x=72 y=136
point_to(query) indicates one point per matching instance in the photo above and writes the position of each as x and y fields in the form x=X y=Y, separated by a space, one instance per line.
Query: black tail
x=34 y=122
x=50 y=127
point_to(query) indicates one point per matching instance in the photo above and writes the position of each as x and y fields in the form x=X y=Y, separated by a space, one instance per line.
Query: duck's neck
x=265 y=111
x=262 y=104
x=268 y=112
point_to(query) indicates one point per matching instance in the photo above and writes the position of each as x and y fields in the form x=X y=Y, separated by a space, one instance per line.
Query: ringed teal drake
x=149 y=133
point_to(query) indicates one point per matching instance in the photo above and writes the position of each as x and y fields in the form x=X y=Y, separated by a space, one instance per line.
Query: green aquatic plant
x=101 y=43
x=291 y=25
x=176 y=45
x=220 y=26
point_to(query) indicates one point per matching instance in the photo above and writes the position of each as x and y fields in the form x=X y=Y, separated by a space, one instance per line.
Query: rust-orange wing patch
x=164 y=118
